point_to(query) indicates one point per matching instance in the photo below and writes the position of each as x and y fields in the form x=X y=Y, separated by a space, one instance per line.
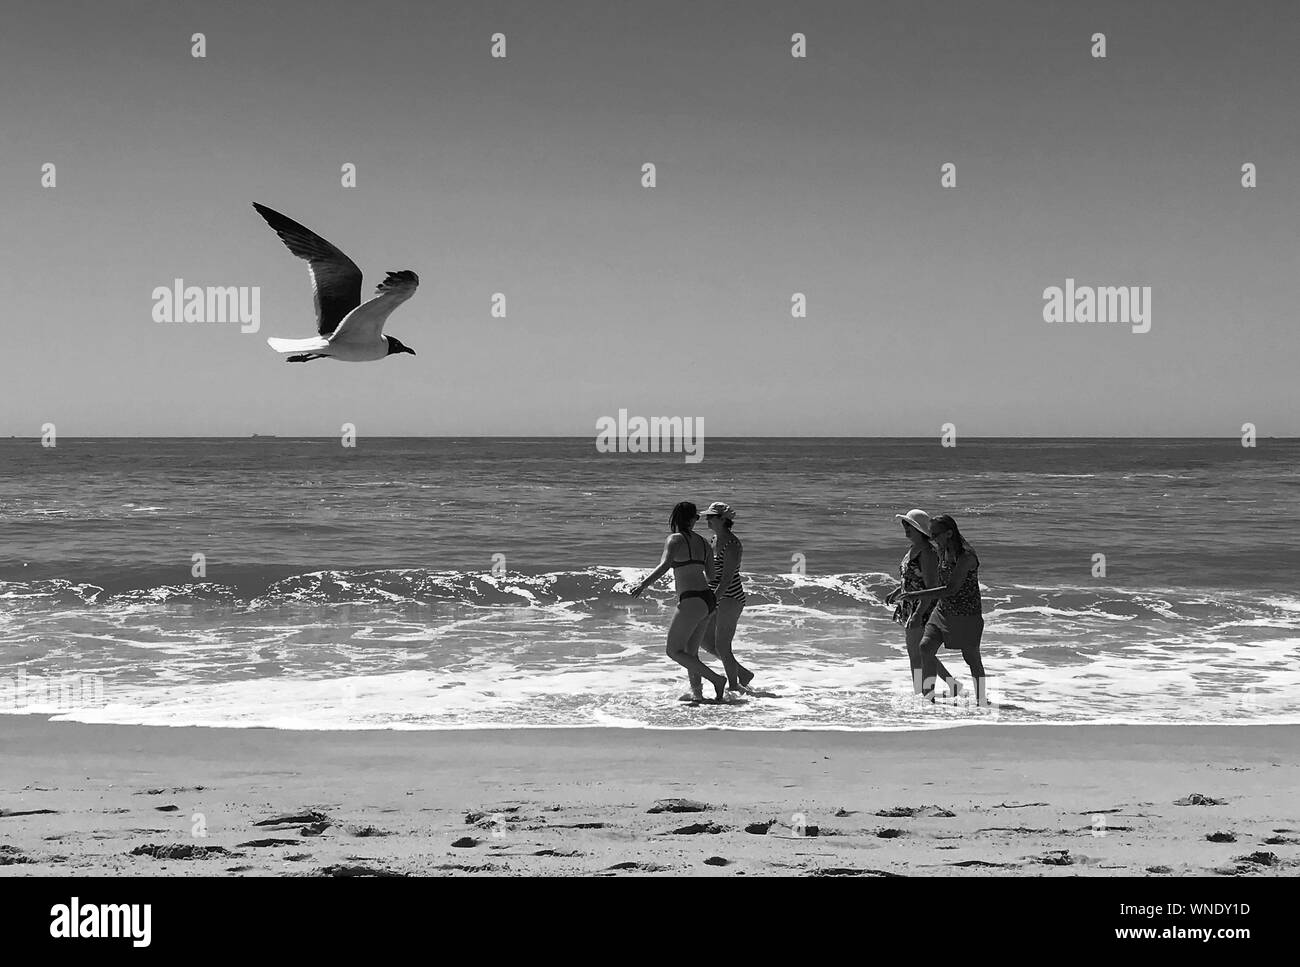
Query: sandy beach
x=1041 y=801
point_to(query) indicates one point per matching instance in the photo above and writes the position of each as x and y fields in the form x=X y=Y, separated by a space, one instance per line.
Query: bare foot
x=955 y=686
x=746 y=677
x=719 y=687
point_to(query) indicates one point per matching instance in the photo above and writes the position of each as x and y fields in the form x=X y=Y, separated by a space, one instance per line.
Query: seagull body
x=348 y=329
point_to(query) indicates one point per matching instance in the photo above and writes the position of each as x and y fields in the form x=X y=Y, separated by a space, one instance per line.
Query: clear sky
x=775 y=175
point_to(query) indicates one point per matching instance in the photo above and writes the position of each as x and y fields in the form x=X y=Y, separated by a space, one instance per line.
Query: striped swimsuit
x=735 y=590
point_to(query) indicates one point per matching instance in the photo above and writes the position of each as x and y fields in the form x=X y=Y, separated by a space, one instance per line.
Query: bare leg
x=702 y=636
x=723 y=631
x=688 y=622
x=976 y=664
x=914 y=635
x=930 y=664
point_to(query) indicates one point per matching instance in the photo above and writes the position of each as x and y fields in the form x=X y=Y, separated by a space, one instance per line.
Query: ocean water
x=479 y=583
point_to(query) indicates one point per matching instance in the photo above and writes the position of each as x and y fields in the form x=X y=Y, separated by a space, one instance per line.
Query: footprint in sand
x=1056 y=857
x=181 y=851
x=465 y=842
x=696 y=828
x=1196 y=799
x=983 y=863
x=354 y=830
x=641 y=867
x=271 y=842
x=931 y=812
x=308 y=818
x=1260 y=859
x=1221 y=837
x=354 y=870
x=5 y=813
x=890 y=833
x=478 y=816
x=1022 y=830
x=848 y=871
x=12 y=856
x=717 y=861
x=469 y=868
x=678 y=806
x=173 y=790
x=760 y=829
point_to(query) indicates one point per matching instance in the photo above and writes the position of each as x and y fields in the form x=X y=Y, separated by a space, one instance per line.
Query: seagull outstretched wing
x=365 y=323
x=335 y=278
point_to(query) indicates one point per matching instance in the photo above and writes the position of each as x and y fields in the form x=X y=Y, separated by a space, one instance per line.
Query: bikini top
x=689 y=549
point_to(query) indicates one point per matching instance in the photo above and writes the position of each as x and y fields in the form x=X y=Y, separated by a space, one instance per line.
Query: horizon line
x=548 y=436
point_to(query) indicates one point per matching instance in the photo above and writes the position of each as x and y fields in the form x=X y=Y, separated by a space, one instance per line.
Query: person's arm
x=731 y=563
x=959 y=573
x=930 y=567
x=665 y=563
x=929 y=562
x=708 y=563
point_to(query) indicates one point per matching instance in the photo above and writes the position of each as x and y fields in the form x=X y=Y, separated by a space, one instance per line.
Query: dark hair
x=945 y=522
x=683 y=517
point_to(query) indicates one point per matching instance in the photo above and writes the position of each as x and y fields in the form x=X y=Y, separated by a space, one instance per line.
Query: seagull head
x=396 y=346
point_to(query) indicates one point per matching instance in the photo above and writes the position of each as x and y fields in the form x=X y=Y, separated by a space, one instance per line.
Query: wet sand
x=1033 y=800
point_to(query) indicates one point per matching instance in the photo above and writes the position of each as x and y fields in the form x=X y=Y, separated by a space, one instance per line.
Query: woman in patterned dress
x=918 y=570
x=957 y=621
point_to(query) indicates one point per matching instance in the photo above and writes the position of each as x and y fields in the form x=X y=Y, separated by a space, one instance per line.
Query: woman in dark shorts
x=957 y=621
x=687 y=554
x=918 y=570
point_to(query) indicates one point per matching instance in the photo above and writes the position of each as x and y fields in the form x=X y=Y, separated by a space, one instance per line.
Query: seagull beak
x=408 y=349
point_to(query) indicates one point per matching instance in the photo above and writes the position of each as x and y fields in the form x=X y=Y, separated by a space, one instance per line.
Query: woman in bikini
x=918 y=570
x=957 y=621
x=726 y=584
x=686 y=554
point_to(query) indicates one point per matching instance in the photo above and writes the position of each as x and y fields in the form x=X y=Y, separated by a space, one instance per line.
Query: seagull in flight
x=348 y=329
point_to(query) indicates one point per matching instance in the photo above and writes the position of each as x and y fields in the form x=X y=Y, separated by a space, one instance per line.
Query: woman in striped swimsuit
x=727 y=585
